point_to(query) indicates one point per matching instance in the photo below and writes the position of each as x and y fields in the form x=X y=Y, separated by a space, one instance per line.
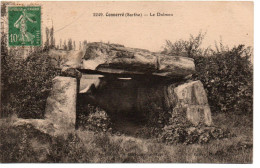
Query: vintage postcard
x=127 y=82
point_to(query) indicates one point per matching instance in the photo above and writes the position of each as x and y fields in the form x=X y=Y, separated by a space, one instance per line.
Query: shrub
x=68 y=150
x=228 y=79
x=173 y=134
x=227 y=74
x=16 y=143
x=26 y=84
x=94 y=119
x=186 y=48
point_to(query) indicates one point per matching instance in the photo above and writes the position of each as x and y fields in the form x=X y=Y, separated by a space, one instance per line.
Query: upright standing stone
x=61 y=104
x=193 y=99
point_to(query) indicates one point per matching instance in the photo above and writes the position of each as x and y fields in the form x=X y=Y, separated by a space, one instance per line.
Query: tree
x=85 y=42
x=186 y=48
x=65 y=47
x=60 y=44
x=4 y=61
x=47 y=42
x=70 y=46
x=52 y=43
x=79 y=45
x=74 y=45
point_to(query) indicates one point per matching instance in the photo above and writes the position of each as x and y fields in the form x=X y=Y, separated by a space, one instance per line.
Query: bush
x=26 y=84
x=94 y=119
x=227 y=75
x=228 y=79
x=16 y=143
x=186 y=48
x=68 y=150
x=173 y=134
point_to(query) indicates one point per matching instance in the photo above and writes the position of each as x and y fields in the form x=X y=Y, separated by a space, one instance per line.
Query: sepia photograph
x=127 y=82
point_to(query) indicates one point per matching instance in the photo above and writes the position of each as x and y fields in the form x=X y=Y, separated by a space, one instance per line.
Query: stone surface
x=192 y=93
x=42 y=125
x=88 y=81
x=61 y=104
x=70 y=72
x=72 y=59
x=117 y=59
x=192 y=97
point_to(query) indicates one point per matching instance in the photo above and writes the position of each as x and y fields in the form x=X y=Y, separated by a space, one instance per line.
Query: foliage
x=47 y=42
x=52 y=39
x=94 y=118
x=74 y=45
x=70 y=45
x=85 y=42
x=228 y=79
x=65 y=47
x=188 y=48
x=227 y=74
x=69 y=150
x=180 y=130
x=25 y=144
x=173 y=134
x=26 y=84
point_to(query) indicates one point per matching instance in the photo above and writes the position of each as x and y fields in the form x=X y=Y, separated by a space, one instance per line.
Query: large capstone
x=61 y=104
x=117 y=59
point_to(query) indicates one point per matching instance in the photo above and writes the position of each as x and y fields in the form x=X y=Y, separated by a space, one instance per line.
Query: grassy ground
x=26 y=144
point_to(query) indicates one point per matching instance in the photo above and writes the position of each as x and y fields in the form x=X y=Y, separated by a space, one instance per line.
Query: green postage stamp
x=24 y=25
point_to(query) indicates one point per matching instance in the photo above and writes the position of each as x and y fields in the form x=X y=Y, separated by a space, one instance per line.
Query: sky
x=230 y=21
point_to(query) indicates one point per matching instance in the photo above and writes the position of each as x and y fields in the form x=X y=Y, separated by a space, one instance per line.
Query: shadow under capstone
x=131 y=102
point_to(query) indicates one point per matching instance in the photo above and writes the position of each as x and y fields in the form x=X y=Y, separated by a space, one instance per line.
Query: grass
x=25 y=144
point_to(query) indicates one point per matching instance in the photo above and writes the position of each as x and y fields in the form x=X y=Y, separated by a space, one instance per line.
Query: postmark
x=24 y=24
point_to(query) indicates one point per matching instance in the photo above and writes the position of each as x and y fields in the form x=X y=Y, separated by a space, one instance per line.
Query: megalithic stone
x=193 y=99
x=61 y=104
x=117 y=59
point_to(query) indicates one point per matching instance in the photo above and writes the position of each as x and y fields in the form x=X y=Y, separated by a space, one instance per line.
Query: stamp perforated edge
x=17 y=4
